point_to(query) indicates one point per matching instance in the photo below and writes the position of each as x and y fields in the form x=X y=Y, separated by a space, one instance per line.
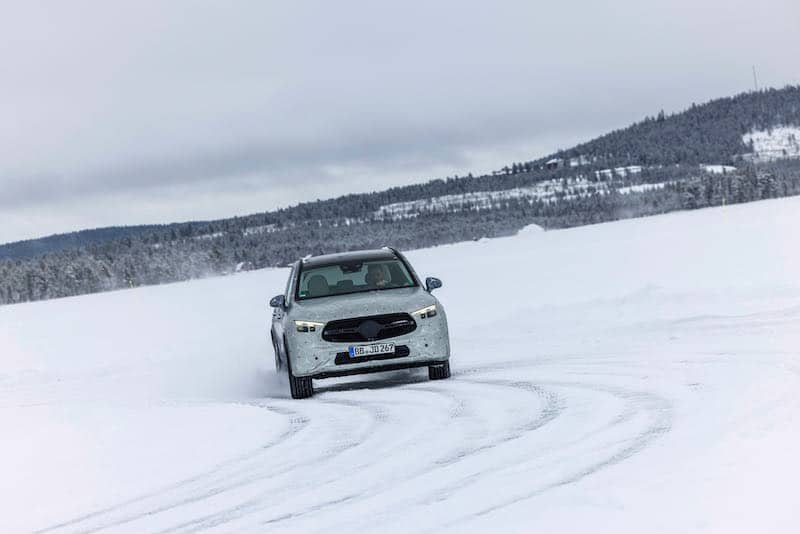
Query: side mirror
x=278 y=302
x=432 y=283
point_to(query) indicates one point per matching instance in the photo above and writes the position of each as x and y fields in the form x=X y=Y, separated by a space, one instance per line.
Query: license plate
x=356 y=351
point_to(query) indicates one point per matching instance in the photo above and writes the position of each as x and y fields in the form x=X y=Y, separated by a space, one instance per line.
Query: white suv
x=357 y=312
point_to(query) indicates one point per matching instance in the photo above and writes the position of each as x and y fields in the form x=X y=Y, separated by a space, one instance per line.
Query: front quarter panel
x=281 y=317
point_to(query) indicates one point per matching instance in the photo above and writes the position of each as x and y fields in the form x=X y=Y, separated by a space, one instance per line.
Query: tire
x=439 y=371
x=300 y=387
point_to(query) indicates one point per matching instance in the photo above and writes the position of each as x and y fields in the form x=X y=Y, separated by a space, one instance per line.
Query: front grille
x=343 y=358
x=370 y=328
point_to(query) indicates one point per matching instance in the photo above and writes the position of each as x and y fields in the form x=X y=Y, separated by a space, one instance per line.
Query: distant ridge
x=33 y=247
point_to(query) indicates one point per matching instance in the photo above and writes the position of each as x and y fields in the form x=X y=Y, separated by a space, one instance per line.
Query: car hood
x=324 y=309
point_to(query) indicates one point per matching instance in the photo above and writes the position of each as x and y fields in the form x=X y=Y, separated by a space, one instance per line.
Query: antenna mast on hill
x=755 y=80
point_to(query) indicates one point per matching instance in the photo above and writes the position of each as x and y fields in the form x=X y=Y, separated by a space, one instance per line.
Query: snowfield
x=775 y=143
x=544 y=191
x=637 y=376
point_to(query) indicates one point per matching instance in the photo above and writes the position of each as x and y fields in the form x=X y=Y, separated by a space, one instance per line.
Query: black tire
x=439 y=371
x=301 y=387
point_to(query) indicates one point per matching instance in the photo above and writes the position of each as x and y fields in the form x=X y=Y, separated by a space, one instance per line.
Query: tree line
x=178 y=253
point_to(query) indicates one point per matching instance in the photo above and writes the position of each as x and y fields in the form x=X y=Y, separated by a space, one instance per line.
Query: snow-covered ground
x=610 y=174
x=642 y=188
x=775 y=143
x=639 y=376
x=718 y=169
x=544 y=191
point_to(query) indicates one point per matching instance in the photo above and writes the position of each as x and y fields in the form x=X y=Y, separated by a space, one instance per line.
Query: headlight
x=427 y=311
x=308 y=326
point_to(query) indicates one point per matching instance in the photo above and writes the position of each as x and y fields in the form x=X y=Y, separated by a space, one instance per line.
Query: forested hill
x=708 y=133
x=728 y=150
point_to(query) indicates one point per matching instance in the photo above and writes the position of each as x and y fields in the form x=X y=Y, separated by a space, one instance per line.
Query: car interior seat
x=396 y=276
x=318 y=286
x=344 y=286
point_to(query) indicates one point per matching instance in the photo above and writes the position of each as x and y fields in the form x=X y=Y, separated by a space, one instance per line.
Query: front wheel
x=439 y=371
x=301 y=387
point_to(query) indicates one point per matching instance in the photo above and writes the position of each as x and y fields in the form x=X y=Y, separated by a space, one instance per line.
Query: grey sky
x=145 y=112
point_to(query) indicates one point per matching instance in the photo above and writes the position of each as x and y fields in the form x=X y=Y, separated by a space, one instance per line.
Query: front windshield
x=353 y=277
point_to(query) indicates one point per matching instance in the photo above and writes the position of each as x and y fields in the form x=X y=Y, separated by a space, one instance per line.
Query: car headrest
x=318 y=286
x=344 y=284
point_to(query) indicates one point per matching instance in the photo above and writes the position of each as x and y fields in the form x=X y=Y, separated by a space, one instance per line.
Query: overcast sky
x=118 y=113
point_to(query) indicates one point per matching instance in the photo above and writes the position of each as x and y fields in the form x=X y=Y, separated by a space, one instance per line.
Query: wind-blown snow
x=638 y=376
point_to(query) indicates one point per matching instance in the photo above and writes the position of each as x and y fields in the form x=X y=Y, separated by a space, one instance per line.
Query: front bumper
x=376 y=368
x=313 y=356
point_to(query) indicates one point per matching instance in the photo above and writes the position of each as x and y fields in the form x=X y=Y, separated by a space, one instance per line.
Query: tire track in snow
x=635 y=445
x=167 y=510
x=635 y=403
x=658 y=408
x=296 y=424
x=208 y=485
x=258 y=504
x=549 y=410
x=231 y=513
